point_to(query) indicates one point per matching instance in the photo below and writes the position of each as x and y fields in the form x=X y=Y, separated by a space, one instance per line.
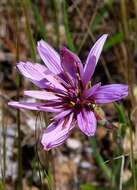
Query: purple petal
x=55 y=80
x=56 y=134
x=87 y=122
x=32 y=106
x=49 y=56
x=41 y=84
x=62 y=114
x=93 y=58
x=96 y=49
x=39 y=67
x=49 y=109
x=71 y=63
x=110 y=93
x=89 y=92
x=42 y=95
x=31 y=70
x=89 y=70
x=25 y=105
x=34 y=72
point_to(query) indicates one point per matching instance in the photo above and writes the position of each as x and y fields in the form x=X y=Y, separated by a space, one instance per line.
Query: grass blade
x=25 y=5
x=39 y=22
x=100 y=161
x=67 y=29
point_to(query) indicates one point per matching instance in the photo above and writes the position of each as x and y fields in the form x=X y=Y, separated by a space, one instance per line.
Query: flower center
x=79 y=104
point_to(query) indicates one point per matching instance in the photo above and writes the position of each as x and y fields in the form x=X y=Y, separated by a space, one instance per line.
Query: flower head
x=66 y=91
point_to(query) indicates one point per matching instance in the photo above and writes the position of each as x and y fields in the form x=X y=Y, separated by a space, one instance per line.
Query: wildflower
x=66 y=91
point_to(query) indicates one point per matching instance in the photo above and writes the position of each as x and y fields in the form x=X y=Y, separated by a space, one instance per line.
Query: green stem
x=1 y=186
x=100 y=161
x=67 y=29
x=135 y=5
x=19 y=185
x=56 y=21
x=3 y=171
x=132 y=160
x=25 y=5
x=121 y=172
x=4 y=155
x=38 y=20
x=124 y=17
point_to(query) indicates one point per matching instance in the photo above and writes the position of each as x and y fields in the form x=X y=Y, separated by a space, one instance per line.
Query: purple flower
x=66 y=91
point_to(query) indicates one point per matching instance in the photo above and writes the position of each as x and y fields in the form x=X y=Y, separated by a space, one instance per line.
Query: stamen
x=93 y=105
x=89 y=104
x=78 y=76
x=72 y=103
x=89 y=84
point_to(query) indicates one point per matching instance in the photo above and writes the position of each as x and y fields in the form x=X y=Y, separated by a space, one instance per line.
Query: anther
x=72 y=103
x=78 y=76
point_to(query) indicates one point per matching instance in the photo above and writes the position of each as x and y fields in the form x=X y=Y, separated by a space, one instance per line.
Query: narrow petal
x=25 y=105
x=71 y=63
x=56 y=134
x=39 y=67
x=96 y=49
x=93 y=58
x=32 y=106
x=50 y=109
x=55 y=80
x=40 y=75
x=31 y=70
x=110 y=93
x=89 y=70
x=42 y=95
x=34 y=72
x=41 y=84
x=49 y=56
x=87 y=122
x=62 y=114
x=89 y=92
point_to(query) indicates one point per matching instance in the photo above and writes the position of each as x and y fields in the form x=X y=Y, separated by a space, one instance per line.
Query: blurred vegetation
x=75 y=24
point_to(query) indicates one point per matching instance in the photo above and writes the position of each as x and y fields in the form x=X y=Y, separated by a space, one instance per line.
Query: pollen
x=72 y=103
x=78 y=76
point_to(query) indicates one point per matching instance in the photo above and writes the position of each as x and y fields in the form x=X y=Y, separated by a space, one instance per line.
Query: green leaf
x=91 y=187
x=116 y=39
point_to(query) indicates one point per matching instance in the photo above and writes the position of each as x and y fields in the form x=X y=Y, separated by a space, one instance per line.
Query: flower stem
x=132 y=160
x=19 y=185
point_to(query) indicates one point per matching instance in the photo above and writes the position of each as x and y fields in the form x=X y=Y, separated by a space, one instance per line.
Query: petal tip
x=46 y=146
x=12 y=103
x=104 y=36
x=40 y=42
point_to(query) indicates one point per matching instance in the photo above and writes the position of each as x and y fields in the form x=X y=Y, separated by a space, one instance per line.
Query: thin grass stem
x=40 y=165
x=38 y=20
x=3 y=145
x=121 y=173
x=4 y=129
x=25 y=5
x=67 y=28
x=132 y=160
x=90 y=33
x=18 y=81
x=100 y=161
x=56 y=21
